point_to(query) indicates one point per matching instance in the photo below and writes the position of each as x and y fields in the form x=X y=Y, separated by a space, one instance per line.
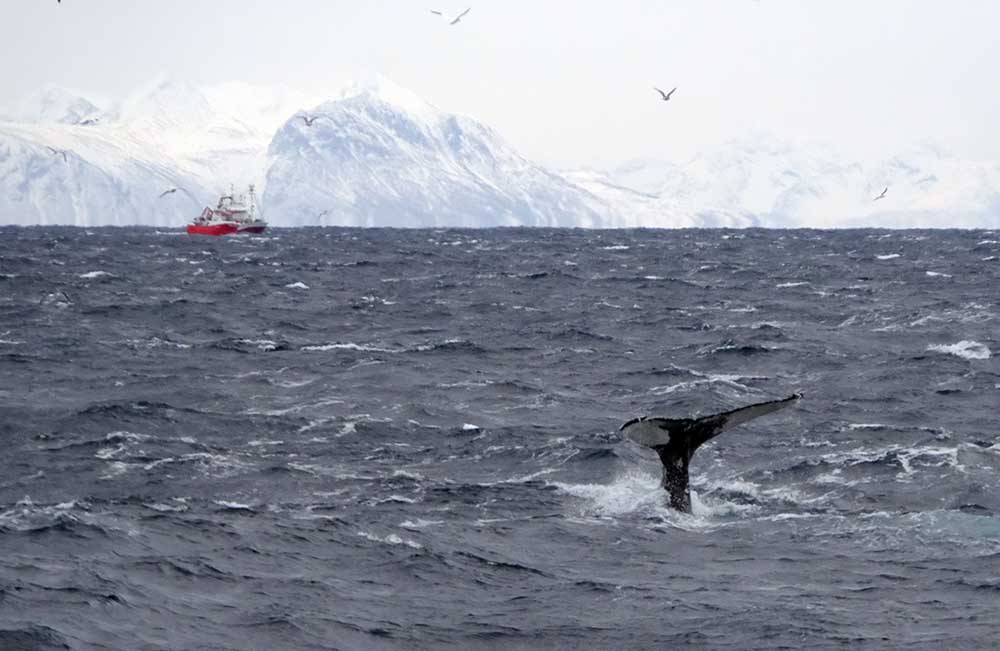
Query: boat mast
x=253 y=204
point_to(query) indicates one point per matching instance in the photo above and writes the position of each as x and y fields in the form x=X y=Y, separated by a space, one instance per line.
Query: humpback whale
x=676 y=439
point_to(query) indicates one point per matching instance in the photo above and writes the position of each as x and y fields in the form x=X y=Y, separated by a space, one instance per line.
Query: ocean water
x=388 y=439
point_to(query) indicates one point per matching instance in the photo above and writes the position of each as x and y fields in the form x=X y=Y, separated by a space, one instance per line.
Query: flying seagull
x=882 y=196
x=665 y=96
x=57 y=152
x=175 y=189
x=309 y=120
x=456 y=18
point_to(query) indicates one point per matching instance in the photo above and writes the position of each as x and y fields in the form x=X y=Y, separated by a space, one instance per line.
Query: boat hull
x=224 y=228
x=212 y=229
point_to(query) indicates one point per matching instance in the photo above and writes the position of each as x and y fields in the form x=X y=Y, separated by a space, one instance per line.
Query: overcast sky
x=567 y=82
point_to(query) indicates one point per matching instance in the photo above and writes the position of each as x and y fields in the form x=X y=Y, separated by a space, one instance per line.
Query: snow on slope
x=169 y=134
x=381 y=156
x=628 y=208
x=784 y=184
x=101 y=181
x=53 y=104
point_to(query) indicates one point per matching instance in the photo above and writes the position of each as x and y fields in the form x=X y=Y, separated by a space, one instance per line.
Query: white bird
x=57 y=152
x=665 y=96
x=881 y=196
x=454 y=20
x=173 y=190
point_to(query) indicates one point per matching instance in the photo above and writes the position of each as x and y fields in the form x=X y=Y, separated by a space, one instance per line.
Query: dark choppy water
x=369 y=439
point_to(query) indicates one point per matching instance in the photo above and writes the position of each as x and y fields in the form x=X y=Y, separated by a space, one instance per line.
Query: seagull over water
x=456 y=18
x=166 y=192
x=881 y=196
x=309 y=120
x=56 y=152
x=665 y=96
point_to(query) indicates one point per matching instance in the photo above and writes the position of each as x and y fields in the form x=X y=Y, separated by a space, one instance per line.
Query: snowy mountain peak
x=168 y=101
x=382 y=156
x=378 y=88
x=53 y=104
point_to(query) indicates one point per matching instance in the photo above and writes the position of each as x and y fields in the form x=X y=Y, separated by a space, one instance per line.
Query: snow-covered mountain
x=763 y=180
x=53 y=104
x=381 y=156
x=68 y=159
x=378 y=154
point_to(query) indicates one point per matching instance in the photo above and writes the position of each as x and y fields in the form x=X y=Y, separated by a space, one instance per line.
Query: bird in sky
x=881 y=196
x=166 y=192
x=665 y=96
x=325 y=212
x=309 y=120
x=454 y=20
x=57 y=152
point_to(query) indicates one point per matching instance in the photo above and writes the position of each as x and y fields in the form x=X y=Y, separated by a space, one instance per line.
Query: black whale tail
x=676 y=439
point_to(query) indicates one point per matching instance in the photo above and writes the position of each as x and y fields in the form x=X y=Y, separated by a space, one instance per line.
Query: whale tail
x=676 y=439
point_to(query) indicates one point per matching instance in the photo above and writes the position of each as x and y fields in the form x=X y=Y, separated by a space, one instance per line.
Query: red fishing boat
x=234 y=214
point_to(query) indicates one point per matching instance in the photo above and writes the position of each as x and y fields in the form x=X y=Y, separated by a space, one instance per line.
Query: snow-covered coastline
x=379 y=155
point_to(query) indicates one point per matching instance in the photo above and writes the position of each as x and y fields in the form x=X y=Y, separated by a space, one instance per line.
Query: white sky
x=567 y=82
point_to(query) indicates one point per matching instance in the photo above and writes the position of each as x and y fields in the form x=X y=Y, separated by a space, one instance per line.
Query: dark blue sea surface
x=408 y=439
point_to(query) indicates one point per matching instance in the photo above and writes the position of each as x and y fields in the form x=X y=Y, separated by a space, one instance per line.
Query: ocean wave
x=965 y=349
x=907 y=460
x=730 y=347
x=390 y=539
x=32 y=638
x=68 y=519
x=367 y=348
x=250 y=345
x=449 y=345
x=228 y=505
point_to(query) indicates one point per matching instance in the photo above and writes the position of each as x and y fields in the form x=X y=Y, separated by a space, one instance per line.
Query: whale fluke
x=676 y=439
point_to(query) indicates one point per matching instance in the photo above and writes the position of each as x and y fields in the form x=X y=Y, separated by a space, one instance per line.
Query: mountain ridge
x=379 y=155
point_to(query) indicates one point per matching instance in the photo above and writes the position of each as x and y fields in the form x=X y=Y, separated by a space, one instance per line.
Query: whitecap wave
x=266 y=345
x=965 y=349
x=348 y=346
x=419 y=523
x=235 y=506
x=391 y=539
